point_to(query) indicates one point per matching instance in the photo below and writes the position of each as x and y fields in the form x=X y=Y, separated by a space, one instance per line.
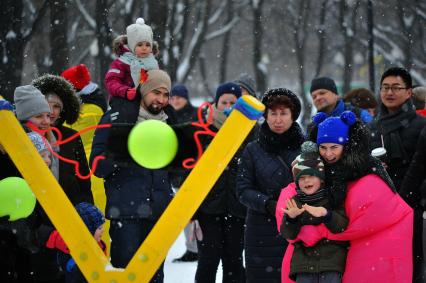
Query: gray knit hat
x=29 y=101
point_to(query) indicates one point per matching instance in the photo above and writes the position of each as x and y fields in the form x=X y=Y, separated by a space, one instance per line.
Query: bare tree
x=225 y=43
x=15 y=32
x=260 y=69
x=298 y=14
x=322 y=36
x=104 y=38
x=348 y=26
x=58 y=35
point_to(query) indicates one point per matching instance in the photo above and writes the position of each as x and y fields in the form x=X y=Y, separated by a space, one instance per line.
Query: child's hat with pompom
x=138 y=32
x=334 y=129
x=308 y=162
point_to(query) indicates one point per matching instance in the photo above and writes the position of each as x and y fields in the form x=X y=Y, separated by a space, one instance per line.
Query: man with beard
x=136 y=196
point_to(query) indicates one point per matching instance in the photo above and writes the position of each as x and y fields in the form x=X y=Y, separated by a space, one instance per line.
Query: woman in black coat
x=65 y=107
x=264 y=170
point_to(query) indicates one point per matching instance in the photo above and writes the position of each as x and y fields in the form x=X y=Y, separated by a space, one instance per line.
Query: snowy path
x=182 y=272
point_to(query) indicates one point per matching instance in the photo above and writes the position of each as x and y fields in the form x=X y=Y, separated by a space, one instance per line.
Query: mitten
x=5 y=105
x=271 y=206
x=131 y=93
x=55 y=241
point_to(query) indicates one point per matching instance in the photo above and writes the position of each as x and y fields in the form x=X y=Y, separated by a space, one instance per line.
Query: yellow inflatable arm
x=87 y=254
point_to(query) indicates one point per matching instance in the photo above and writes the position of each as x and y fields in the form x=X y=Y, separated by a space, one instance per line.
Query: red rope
x=190 y=163
x=59 y=141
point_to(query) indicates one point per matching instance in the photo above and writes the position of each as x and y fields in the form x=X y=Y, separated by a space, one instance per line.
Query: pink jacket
x=380 y=232
x=118 y=79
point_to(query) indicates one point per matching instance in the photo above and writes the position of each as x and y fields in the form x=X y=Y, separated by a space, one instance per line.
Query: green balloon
x=152 y=144
x=16 y=198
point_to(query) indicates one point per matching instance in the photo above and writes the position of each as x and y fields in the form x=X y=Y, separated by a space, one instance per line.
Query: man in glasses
x=396 y=128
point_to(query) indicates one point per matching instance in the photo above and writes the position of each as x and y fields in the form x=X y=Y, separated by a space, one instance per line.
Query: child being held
x=94 y=220
x=325 y=261
x=135 y=55
x=41 y=145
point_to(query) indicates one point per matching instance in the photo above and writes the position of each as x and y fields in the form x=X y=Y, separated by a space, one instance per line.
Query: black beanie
x=323 y=83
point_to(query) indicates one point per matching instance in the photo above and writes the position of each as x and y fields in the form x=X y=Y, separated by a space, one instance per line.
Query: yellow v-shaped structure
x=92 y=262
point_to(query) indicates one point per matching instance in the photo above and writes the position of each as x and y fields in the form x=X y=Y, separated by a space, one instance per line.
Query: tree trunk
x=321 y=32
x=300 y=35
x=225 y=44
x=260 y=72
x=104 y=38
x=12 y=47
x=58 y=36
x=158 y=13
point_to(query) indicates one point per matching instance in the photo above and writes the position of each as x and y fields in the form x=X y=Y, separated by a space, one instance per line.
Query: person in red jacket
x=134 y=51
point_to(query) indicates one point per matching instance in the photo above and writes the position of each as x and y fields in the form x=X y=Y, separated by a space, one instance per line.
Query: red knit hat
x=78 y=75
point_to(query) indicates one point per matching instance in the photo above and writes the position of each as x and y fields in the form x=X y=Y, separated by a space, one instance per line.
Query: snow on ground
x=182 y=272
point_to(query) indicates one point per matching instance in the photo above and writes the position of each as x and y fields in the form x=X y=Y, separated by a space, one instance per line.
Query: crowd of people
x=298 y=205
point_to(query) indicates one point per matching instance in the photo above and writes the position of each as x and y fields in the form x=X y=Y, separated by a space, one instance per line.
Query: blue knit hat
x=334 y=129
x=179 y=90
x=91 y=216
x=229 y=87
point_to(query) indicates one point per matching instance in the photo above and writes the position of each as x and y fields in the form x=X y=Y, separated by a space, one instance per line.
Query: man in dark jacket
x=185 y=113
x=397 y=128
x=136 y=196
x=325 y=98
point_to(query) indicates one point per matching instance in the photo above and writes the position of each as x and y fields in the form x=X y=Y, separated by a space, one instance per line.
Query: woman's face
x=279 y=119
x=56 y=105
x=41 y=121
x=331 y=152
x=225 y=101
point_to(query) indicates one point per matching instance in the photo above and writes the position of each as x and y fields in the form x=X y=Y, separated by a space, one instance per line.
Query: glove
x=55 y=241
x=5 y=105
x=131 y=93
x=271 y=206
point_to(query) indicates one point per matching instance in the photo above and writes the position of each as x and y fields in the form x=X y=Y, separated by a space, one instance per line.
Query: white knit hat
x=138 y=32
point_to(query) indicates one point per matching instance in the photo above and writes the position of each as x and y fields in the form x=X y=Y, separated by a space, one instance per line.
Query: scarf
x=54 y=166
x=390 y=125
x=136 y=64
x=313 y=198
x=272 y=142
x=145 y=115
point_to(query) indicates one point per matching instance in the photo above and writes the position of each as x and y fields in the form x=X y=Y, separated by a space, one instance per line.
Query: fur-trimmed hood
x=60 y=86
x=119 y=45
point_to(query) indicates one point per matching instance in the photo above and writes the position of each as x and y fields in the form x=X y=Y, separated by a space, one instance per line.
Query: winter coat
x=222 y=198
x=92 y=108
x=77 y=189
x=132 y=191
x=362 y=114
x=261 y=176
x=325 y=255
x=23 y=242
x=118 y=79
x=380 y=232
x=416 y=175
x=187 y=115
x=400 y=131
